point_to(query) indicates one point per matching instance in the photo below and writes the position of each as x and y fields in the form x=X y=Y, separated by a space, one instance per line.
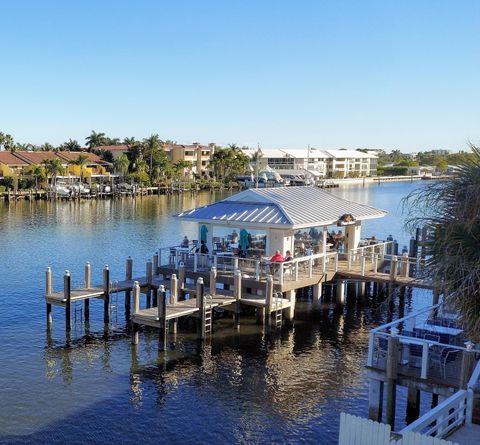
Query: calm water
x=242 y=388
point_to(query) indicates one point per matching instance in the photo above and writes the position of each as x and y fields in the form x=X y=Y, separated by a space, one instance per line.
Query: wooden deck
x=58 y=298
x=466 y=435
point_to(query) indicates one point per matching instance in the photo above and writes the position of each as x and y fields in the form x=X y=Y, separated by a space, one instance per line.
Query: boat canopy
x=284 y=207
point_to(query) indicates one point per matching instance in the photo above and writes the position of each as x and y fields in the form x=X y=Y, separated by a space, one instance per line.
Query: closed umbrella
x=203 y=234
x=243 y=243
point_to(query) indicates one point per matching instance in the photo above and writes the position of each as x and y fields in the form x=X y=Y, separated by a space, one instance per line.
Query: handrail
x=439 y=419
x=474 y=378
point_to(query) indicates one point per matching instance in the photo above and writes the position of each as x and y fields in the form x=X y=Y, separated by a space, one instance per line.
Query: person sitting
x=277 y=258
x=288 y=256
x=185 y=242
x=203 y=247
x=234 y=237
x=372 y=240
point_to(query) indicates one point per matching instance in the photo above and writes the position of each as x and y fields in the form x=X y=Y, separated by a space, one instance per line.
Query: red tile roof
x=122 y=147
x=10 y=159
x=73 y=155
x=35 y=157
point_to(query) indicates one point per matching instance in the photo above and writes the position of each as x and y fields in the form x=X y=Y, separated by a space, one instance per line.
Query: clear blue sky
x=381 y=74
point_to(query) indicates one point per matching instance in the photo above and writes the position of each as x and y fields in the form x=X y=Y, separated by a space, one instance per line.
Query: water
x=242 y=388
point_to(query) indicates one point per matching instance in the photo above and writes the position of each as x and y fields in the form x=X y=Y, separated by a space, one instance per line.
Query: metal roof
x=297 y=207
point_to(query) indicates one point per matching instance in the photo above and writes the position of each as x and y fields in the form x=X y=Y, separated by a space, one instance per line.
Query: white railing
x=444 y=418
x=431 y=356
x=307 y=266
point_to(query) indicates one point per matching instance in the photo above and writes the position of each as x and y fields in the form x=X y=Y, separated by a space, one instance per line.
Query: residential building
x=21 y=162
x=199 y=155
x=327 y=163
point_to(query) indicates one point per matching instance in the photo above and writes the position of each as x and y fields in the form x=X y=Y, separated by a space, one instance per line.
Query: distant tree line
x=145 y=161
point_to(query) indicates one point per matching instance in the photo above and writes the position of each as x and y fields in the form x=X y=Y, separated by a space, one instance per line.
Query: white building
x=326 y=163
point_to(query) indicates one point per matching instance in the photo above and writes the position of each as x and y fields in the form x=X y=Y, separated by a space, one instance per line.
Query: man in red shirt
x=278 y=257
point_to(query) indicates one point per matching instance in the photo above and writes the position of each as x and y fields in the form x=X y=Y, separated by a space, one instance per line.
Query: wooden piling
x=268 y=303
x=290 y=312
x=391 y=379
x=213 y=281
x=181 y=281
x=68 y=303
x=128 y=276
x=237 y=293
x=48 y=291
x=149 y=275
x=201 y=334
x=375 y=400
x=88 y=285
x=413 y=405
x=317 y=293
x=340 y=292
x=106 y=294
x=162 y=314
x=174 y=298
x=136 y=308
x=155 y=263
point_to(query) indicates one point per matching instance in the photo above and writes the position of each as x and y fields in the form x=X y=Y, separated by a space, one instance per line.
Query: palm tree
x=38 y=173
x=8 y=143
x=129 y=142
x=47 y=147
x=53 y=167
x=82 y=161
x=121 y=165
x=152 y=150
x=112 y=141
x=95 y=140
x=450 y=209
x=70 y=145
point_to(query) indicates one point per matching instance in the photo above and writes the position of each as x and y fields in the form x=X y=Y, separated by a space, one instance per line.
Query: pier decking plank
x=58 y=298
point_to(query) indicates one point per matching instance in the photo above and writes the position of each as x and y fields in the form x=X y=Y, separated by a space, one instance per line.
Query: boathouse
x=283 y=218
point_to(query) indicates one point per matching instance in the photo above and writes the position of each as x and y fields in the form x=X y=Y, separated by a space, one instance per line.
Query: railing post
x=336 y=262
x=324 y=264
x=257 y=270
x=280 y=271
x=195 y=262
x=149 y=276
x=215 y=261
x=375 y=263
x=391 y=374
x=393 y=268
x=469 y=407
x=362 y=265
x=235 y=264
x=310 y=268
x=181 y=281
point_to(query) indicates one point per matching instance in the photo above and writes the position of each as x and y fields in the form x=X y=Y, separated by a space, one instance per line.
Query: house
x=11 y=165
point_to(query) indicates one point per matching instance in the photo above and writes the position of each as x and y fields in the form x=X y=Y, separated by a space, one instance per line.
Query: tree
x=38 y=173
x=82 y=161
x=112 y=141
x=47 y=147
x=450 y=209
x=180 y=166
x=95 y=140
x=53 y=168
x=129 y=142
x=121 y=165
x=70 y=145
x=155 y=155
x=6 y=140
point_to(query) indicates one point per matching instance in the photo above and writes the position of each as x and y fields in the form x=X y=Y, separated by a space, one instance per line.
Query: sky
x=282 y=74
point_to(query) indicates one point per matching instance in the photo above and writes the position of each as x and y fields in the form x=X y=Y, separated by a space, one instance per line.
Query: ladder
x=277 y=313
x=208 y=314
x=113 y=301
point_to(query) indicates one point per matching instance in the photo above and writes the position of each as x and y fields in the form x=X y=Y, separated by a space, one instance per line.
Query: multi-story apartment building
x=199 y=155
x=327 y=163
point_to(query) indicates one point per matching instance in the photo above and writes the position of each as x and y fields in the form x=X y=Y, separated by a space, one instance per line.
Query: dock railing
x=307 y=266
x=375 y=256
x=422 y=356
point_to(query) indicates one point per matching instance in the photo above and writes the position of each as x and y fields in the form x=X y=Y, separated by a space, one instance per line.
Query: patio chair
x=432 y=337
x=415 y=355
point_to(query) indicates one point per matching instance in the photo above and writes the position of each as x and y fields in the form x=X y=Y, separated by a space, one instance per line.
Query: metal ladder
x=278 y=312
x=113 y=302
x=208 y=314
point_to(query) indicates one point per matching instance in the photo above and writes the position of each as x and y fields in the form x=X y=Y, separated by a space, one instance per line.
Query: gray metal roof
x=295 y=207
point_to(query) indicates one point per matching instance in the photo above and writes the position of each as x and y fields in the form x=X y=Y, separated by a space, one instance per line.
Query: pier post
x=155 y=263
x=68 y=303
x=317 y=292
x=340 y=292
x=290 y=312
x=181 y=281
x=106 y=294
x=149 y=276
x=128 y=277
x=413 y=404
x=201 y=309
x=213 y=281
x=237 y=293
x=390 y=383
x=88 y=285
x=162 y=318
x=48 y=291
x=375 y=400
x=393 y=268
x=468 y=363
x=268 y=303
x=435 y=295
x=136 y=308
x=174 y=298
